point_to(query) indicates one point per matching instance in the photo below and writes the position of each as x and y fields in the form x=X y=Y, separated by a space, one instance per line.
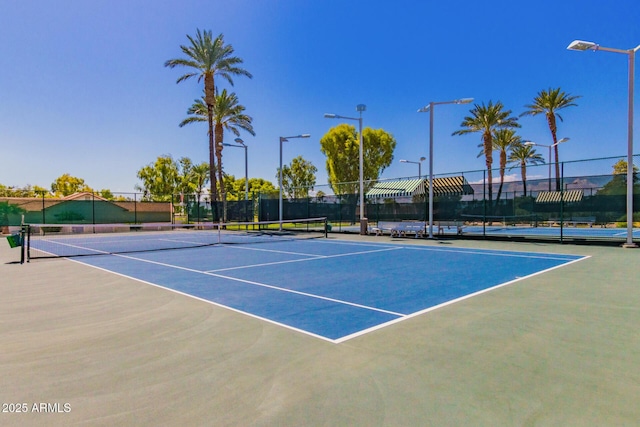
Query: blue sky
x=83 y=89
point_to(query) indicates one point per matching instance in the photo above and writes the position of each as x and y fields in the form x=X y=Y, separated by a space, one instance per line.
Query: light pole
x=549 y=147
x=582 y=46
x=246 y=165
x=429 y=108
x=284 y=139
x=360 y=108
x=422 y=159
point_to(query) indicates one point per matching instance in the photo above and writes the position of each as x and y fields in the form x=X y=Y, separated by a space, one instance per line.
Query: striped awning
x=448 y=186
x=568 y=196
x=455 y=185
x=399 y=188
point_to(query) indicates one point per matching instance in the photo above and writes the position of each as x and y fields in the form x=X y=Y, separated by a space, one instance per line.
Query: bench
x=575 y=221
x=442 y=225
x=400 y=229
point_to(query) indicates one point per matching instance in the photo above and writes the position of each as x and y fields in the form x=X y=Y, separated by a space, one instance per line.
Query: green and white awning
x=396 y=188
x=455 y=185
x=448 y=186
x=568 y=196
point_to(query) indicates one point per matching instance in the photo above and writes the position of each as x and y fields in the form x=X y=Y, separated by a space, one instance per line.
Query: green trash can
x=14 y=240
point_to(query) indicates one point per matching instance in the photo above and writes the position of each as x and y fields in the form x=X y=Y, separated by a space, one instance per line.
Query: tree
x=618 y=184
x=107 y=194
x=65 y=185
x=198 y=178
x=503 y=141
x=521 y=155
x=7 y=209
x=298 y=178
x=548 y=102
x=166 y=177
x=228 y=115
x=209 y=57
x=486 y=119
x=260 y=186
x=159 y=179
x=341 y=147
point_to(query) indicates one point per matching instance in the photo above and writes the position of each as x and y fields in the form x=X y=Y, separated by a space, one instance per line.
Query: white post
x=280 y=186
x=629 y=243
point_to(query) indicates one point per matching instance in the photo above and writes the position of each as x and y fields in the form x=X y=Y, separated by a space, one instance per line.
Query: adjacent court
x=331 y=289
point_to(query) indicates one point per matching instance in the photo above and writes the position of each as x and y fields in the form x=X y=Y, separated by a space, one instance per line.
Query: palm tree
x=503 y=141
x=548 y=102
x=228 y=115
x=486 y=119
x=521 y=155
x=198 y=178
x=209 y=57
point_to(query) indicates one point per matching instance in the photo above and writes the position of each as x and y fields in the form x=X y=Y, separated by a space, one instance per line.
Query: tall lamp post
x=422 y=159
x=246 y=164
x=549 y=147
x=284 y=139
x=359 y=108
x=429 y=108
x=582 y=46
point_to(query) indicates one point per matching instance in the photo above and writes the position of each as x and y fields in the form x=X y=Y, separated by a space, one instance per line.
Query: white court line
x=313 y=258
x=246 y=313
x=453 y=301
x=71 y=246
x=247 y=248
x=264 y=285
x=440 y=248
x=401 y=317
x=557 y=257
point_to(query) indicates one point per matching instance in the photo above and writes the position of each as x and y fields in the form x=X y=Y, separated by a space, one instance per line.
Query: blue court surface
x=585 y=232
x=331 y=289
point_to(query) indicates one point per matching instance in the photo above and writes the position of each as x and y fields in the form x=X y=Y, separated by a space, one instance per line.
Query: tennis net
x=73 y=240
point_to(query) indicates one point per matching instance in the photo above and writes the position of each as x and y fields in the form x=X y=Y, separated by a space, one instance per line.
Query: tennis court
x=557 y=347
x=328 y=288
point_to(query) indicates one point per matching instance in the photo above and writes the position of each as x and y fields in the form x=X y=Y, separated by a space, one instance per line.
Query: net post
x=26 y=243
x=22 y=241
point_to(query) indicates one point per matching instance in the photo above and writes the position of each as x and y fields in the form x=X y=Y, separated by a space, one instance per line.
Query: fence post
x=561 y=182
x=484 y=203
x=93 y=208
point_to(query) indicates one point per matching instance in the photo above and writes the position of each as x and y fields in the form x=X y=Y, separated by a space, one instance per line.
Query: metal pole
x=431 y=104
x=550 y=167
x=280 y=186
x=582 y=46
x=246 y=175
x=629 y=243
x=362 y=217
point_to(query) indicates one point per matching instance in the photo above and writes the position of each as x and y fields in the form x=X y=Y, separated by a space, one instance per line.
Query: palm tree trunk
x=551 y=120
x=503 y=166
x=555 y=149
x=212 y=167
x=523 y=169
x=218 y=143
x=210 y=98
x=488 y=147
